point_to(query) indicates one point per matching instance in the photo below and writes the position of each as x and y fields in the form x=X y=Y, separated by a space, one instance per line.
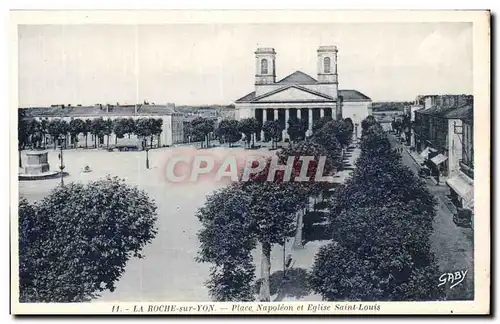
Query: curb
x=413 y=159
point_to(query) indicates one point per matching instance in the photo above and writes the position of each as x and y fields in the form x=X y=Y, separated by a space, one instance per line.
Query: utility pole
x=61 y=167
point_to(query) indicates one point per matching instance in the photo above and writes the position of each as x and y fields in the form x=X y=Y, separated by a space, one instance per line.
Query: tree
x=76 y=126
x=381 y=221
x=297 y=129
x=272 y=130
x=310 y=188
x=228 y=131
x=273 y=205
x=250 y=127
x=143 y=129
x=327 y=138
x=130 y=126
x=44 y=130
x=75 y=243
x=97 y=129
x=237 y=217
x=349 y=128
x=158 y=128
x=318 y=124
x=367 y=122
x=107 y=130
x=374 y=258
x=119 y=128
x=87 y=130
x=22 y=133
x=226 y=242
x=201 y=128
x=56 y=128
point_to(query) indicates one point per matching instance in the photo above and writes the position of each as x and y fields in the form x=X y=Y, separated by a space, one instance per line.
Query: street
x=453 y=246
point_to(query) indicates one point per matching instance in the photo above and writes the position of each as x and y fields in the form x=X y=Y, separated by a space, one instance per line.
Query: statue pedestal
x=37 y=167
x=36 y=163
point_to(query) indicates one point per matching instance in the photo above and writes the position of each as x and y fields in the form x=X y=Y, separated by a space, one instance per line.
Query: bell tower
x=327 y=64
x=265 y=66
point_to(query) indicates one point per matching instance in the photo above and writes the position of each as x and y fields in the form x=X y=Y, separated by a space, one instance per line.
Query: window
x=263 y=66
x=467 y=145
x=326 y=62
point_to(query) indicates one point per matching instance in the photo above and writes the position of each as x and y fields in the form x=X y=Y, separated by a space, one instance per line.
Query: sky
x=214 y=64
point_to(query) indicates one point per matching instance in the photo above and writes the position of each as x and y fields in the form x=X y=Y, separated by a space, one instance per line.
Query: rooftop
x=81 y=111
x=353 y=95
x=298 y=77
x=464 y=111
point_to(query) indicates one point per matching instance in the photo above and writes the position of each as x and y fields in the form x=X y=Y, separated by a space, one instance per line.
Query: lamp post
x=147 y=158
x=61 y=166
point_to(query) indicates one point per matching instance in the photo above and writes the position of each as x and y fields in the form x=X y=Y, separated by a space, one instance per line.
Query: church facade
x=299 y=95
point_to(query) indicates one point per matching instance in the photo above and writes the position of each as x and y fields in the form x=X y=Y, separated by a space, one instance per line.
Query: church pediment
x=293 y=93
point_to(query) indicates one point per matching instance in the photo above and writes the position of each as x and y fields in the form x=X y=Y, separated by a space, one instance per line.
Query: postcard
x=259 y=162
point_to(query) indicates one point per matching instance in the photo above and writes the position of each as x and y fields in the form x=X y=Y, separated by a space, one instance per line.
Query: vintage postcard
x=250 y=162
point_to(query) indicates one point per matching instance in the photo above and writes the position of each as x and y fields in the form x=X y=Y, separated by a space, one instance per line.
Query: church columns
x=276 y=117
x=310 y=125
x=321 y=112
x=287 y=116
x=264 y=119
x=299 y=113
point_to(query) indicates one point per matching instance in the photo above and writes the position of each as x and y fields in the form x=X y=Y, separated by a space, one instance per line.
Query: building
x=432 y=129
x=461 y=156
x=413 y=109
x=299 y=95
x=172 y=128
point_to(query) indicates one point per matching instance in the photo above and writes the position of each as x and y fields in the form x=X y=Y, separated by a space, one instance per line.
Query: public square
x=169 y=271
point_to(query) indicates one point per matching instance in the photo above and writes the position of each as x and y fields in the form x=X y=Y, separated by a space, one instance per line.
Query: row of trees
x=75 y=243
x=380 y=223
x=33 y=133
x=260 y=213
x=227 y=131
x=231 y=131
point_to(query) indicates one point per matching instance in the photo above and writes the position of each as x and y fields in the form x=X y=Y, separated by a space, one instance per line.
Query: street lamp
x=62 y=138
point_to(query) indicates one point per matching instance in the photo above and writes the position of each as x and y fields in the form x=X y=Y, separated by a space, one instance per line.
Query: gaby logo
x=454 y=278
x=189 y=166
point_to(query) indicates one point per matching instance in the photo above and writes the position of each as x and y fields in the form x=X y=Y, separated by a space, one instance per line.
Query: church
x=300 y=95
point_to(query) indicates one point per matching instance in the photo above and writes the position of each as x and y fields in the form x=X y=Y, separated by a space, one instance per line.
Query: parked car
x=126 y=144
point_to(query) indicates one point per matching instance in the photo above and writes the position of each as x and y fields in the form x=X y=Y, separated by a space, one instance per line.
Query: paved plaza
x=168 y=272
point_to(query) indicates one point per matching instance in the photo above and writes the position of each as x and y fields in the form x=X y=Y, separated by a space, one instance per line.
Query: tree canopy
x=380 y=224
x=74 y=243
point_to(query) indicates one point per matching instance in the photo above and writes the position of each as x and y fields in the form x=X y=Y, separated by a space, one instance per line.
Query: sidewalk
x=419 y=160
x=415 y=157
x=349 y=165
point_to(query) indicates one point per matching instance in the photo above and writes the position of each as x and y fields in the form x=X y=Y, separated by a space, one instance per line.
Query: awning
x=425 y=153
x=438 y=159
x=464 y=188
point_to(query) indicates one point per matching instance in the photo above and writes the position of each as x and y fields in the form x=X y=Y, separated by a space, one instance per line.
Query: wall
x=330 y=89
x=357 y=111
x=243 y=111
x=455 y=146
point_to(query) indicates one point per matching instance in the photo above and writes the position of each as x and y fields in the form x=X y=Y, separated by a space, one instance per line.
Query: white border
x=481 y=78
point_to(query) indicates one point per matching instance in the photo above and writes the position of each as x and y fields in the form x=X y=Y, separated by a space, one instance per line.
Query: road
x=453 y=246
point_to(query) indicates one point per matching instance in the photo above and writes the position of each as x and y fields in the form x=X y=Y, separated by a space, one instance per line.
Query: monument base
x=41 y=176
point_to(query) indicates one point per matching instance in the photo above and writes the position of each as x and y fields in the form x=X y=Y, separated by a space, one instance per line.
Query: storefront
x=462 y=191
